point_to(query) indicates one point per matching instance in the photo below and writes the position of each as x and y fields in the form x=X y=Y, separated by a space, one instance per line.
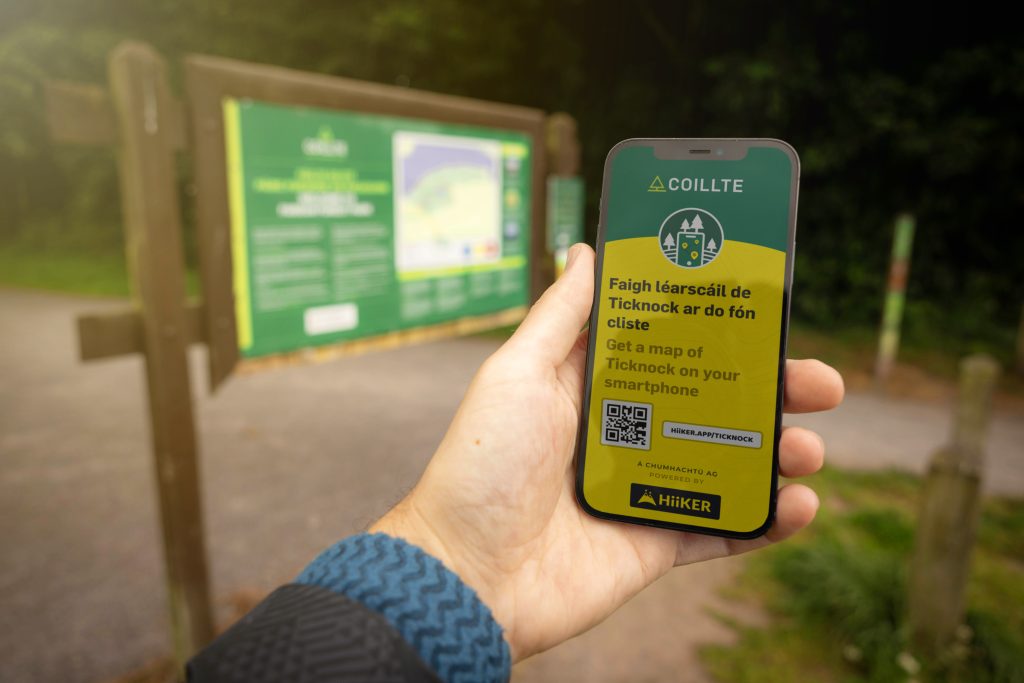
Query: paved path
x=292 y=460
x=872 y=432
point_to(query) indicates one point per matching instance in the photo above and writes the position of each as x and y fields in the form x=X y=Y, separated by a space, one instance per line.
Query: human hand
x=497 y=506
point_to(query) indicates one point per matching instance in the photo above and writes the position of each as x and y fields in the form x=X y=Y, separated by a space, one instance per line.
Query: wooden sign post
x=565 y=190
x=143 y=120
x=149 y=121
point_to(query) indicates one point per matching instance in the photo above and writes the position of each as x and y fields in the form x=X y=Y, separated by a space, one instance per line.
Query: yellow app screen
x=681 y=408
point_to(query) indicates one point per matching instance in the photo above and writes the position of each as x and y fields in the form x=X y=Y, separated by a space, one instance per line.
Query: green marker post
x=895 y=298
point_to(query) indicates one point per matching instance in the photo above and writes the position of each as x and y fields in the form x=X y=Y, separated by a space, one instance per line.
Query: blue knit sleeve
x=439 y=615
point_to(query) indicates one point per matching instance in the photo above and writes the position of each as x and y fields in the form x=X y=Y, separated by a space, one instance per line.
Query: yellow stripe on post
x=236 y=201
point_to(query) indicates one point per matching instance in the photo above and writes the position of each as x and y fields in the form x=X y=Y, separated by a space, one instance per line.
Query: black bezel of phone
x=705 y=149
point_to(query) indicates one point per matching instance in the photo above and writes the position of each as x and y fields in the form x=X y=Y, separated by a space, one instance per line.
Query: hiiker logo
x=647 y=498
x=676 y=501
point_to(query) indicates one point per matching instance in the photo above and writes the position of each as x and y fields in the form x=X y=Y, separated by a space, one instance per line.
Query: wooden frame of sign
x=211 y=80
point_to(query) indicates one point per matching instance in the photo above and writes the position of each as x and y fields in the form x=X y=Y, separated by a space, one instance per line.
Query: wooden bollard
x=950 y=507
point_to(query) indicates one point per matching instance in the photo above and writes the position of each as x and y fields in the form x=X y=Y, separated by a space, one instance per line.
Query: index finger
x=811 y=386
x=552 y=325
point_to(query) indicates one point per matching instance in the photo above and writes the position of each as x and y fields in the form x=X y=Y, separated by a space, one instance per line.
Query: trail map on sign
x=447 y=201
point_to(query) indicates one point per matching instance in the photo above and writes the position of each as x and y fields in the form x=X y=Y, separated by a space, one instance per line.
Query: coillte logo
x=325 y=145
x=696 y=185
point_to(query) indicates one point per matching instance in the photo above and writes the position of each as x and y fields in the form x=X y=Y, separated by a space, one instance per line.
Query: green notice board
x=349 y=225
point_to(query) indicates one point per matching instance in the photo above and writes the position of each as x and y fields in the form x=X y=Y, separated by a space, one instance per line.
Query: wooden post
x=895 y=297
x=949 y=515
x=150 y=128
x=563 y=149
x=563 y=145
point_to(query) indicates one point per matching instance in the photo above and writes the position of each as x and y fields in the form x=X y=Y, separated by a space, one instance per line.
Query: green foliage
x=914 y=113
x=837 y=595
x=1002 y=528
x=80 y=272
x=884 y=528
x=782 y=654
x=101 y=273
x=854 y=595
x=996 y=654
x=887 y=123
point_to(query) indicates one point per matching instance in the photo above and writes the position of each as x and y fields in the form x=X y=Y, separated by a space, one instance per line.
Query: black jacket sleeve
x=309 y=634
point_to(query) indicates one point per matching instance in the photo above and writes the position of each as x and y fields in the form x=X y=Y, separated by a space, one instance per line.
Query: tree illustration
x=697 y=223
x=670 y=242
x=711 y=245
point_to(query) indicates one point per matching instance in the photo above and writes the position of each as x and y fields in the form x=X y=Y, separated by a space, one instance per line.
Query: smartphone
x=682 y=404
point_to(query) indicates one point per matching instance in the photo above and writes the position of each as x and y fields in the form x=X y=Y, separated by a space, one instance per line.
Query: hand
x=496 y=504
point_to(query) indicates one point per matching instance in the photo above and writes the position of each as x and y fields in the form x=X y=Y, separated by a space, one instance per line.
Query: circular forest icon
x=691 y=238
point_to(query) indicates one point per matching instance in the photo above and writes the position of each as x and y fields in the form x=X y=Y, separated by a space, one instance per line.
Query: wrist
x=434 y=611
x=407 y=523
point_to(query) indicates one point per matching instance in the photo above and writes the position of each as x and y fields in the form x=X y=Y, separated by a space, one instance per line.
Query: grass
x=782 y=654
x=100 y=273
x=836 y=594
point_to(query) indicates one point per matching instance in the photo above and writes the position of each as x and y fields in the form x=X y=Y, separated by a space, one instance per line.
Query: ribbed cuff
x=439 y=615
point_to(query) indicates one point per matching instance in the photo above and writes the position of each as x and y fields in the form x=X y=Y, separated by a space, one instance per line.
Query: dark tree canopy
x=892 y=108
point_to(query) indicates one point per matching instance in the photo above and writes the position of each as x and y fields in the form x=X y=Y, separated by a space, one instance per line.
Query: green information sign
x=348 y=225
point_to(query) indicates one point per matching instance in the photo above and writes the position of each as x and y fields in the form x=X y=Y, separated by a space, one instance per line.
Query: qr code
x=626 y=424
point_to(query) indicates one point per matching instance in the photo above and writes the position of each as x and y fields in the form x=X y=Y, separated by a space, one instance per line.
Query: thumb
x=550 y=329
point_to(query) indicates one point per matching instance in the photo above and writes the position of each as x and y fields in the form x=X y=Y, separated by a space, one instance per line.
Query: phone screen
x=682 y=403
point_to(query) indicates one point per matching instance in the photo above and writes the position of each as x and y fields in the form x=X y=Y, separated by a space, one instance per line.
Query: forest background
x=892 y=109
